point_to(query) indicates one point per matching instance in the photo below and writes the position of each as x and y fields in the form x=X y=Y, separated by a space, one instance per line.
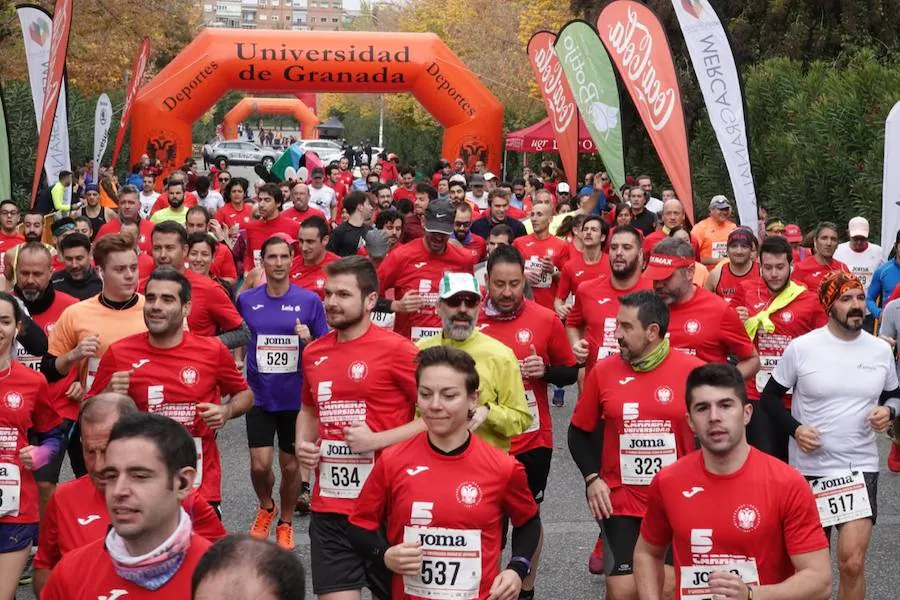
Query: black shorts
x=620 y=535
x=262 y=426
x=49 y=473
x=537 y=469
x=871 y=479
x=335 y=564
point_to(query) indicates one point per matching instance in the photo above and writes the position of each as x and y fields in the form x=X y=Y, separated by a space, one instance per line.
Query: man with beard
x=537 y=338
x=502 y=411
x=407 y=188
x=391 y=223
x=359 y=392
x=741 y=266
x=129 y=210
x=33 y=232
x=739 y=523
x=810 y=271
x=45 y=306
x=77 y=278
x=462 y=225
x=638 y=399
x=544 y=255
x=775 y=311
x=845 y=390
x=414 y=224
x=176 y=211
x=383 y=196
x=702 y=324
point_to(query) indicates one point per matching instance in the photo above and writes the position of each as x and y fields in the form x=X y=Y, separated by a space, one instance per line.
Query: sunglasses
x=460 y=299
x=224 y=180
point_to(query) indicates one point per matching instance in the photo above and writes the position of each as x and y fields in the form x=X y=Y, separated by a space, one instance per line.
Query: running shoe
x=27 y=575
x=284 y=536
x=262 y=524
x=894 y=457
x=303 y=503
x=595 y=561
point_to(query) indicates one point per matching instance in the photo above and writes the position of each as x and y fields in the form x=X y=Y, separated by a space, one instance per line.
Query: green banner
x=593 y=81
x=5 y=181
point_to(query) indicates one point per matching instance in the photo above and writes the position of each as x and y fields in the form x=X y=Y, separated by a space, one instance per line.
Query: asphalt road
x=569 y=530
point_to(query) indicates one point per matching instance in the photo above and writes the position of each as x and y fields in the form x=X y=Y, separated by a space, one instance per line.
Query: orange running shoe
x=284 y=536
x=262 y=523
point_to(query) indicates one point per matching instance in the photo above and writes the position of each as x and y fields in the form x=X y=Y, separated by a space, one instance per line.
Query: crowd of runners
x=395 y=342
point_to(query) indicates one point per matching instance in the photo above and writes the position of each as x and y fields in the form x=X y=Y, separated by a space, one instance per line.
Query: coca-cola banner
x=593 y=84
x=638 y=47
x=558 y=100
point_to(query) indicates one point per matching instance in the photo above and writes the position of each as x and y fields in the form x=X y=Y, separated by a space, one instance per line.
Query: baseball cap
x=562 y=188
x=458 y=178
x=489 y=176
x=719 y=201
x=91 y=187
x=61 y=226
x=439 y=217
x=457 y=283
x=858 y=227
x=476 y=179
x=792 y=233
x=661 y=266
x=741 y=235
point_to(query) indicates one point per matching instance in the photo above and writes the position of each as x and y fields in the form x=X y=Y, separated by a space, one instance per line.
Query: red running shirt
x=595 y=310
x=576 y=271
x=298 y=217
x=539 y=327
x=212 y=311
x=259 y=231
x=809 y=272
x=729 y=283
x=228 y=216
x=371 y=379
x=413 y=268
x=707 y=327
x=172 y=382
x=89 y=573
x=644 y=425
x=311 y=277
x=24 y=407
x=76 y=515
x=145 y=229
x=223 y=263
x=422 y=494
x=533 y=250
x=764 y=512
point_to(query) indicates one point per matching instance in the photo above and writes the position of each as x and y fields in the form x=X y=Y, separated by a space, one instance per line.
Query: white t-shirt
x=323 y=199
x=862 y=264
x=147 y=202
x=836 y=384
x=654 y=205
x=213 y=201
x=481 y=202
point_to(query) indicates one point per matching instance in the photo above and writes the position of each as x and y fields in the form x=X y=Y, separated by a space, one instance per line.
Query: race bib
x=604 y=352
x=451 y=563
x=719 y=249
x=767 y=366
x=841 y=498
x=342 y=473
x=642 y=455
x=535 y=265
x=27 y=360
x=198 y=444
x=419 y=333
x=695 y=580
x=10 y=489
x=533 y=409
x=383 y=319
x=277 y=353
x=92 y=368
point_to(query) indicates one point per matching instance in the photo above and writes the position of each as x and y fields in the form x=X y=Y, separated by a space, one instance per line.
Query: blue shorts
x=17 y=536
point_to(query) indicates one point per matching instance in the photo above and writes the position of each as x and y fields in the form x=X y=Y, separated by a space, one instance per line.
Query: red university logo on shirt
x=468 y=494
x=358 y=370
x=664 y=394
x=746 y=517
x=692 y=327
x=189 y=376
x=320 y=283
x=13 y=400
x=524 y=336
x=787 y=316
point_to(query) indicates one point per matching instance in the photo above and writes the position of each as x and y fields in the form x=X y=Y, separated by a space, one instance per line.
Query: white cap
x=457 y=283
x=858 y=227
x=562 y=188
x=489 y=176
x=458 y=178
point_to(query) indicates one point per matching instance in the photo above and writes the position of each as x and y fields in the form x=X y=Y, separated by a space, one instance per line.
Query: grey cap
x=439 y=217
x=376 y=243
x=719 y=201
x=476 y=179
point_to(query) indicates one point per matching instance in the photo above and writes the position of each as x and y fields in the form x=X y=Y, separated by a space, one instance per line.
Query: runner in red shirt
x=237 y=212
x=543 y=254
x=700 y=323
x=212 y=313
x=639 y=397
x=358 y=391
x=308 y=267
x=152 y=549
x=346 y=176
x=222 y=267
x=414 y=270
x=462 y=225
x=340 y=190
x=300 y=209
x=775 y=310
x=587 y=264
x=741 y=266
x=25 y=413
x=178 y=374
x=407 y=185
x=591 y=324
x=741 y=523
x=77 y=515
x=129 y=210
x=537 y=337
x=810 y=271
x=190 y=198
x=270 y=223
x=443 y=495
x=9 y=227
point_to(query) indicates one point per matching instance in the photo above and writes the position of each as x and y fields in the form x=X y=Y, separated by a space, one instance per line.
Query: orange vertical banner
x=137 y=77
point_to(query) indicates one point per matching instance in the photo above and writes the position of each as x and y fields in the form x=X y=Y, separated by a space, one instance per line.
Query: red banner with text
x=558 y=100
x=137 y=77
x=638 y=47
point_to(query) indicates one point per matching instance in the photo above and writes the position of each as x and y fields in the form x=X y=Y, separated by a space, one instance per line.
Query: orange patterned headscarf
x=834 y=285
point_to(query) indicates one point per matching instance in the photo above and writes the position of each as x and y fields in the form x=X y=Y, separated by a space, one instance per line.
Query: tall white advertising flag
x=36 y=27
x=890 y=195
x=717 y=74
x=102 y=120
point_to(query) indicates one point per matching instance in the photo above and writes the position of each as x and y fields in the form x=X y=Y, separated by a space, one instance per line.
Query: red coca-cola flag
x=637 y=44
x=137 y=76
x=558 y=100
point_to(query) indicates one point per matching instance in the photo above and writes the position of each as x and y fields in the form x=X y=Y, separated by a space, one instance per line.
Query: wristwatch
x=749 y=593
x=893 y=412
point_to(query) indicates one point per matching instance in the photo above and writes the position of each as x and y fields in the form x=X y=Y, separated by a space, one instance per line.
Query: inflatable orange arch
x=294 y=62
x=271 y=106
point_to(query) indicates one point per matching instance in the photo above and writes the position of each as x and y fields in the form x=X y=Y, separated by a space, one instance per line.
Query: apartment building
x=315 y=15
